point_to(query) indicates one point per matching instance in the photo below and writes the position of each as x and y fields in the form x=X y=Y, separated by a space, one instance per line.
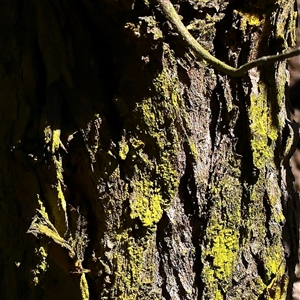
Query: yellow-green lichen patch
x=159 y=138
x=42 y=253
x=152 y=27
x=274 y=260
x=193 y=149
x=252 y=20
x=152 y=193
x=221 y=251
x=270 y=251
x=42 y=265
x=84 y=288
x=275 y=272
x=136 y=144
x=57 y=199
x=149 y=149
x=256 y=211
x=265 y=209
x=123 y=149
x=145 y=23
x=211 y=291
x=167 y=174
x=135 y=268
x=264 y=132
x=280 y=94
x=147 y=272
x=146 y=202
x=224 y=252
x=282 y=30
x=56 y=142
x=152 y=117
x=277 y=289
x=128 y=265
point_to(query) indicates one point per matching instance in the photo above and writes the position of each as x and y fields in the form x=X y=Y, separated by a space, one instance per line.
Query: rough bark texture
x=132 y=171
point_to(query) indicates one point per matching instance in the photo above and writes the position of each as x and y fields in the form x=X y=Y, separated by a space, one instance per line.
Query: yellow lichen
x=128 y=267
x=274 y=261
x=263 y=131
x=193 y=149
x=42 y=253
x=249 y=19
x=123 y=149
x=84 y=288
x=224 y=252
x=146 y=202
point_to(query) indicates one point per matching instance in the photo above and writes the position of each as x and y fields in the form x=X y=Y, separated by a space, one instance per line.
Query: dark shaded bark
x=132 y=171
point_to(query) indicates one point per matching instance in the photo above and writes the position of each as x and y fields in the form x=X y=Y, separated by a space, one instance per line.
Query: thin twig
x=172 y=16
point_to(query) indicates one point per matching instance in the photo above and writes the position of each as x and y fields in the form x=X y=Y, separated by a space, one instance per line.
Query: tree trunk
x=131 y=170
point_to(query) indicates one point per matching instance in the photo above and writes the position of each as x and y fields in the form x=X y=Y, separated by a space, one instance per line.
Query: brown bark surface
x=130 y=170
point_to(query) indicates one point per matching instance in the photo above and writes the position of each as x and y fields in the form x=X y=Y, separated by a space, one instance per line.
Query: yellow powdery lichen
x=250 y=19
x=162 y=84
x=264 y=132
x=42 y=266
x=193 y=149
x=128 y=267
x=155 y=181
x=224 y=253
x=58 y=203
x=146 y=202
x=84 y=288
x=274 y=261
x=123 y=148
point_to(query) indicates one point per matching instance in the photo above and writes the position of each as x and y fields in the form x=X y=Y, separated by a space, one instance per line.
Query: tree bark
x=131 y=170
